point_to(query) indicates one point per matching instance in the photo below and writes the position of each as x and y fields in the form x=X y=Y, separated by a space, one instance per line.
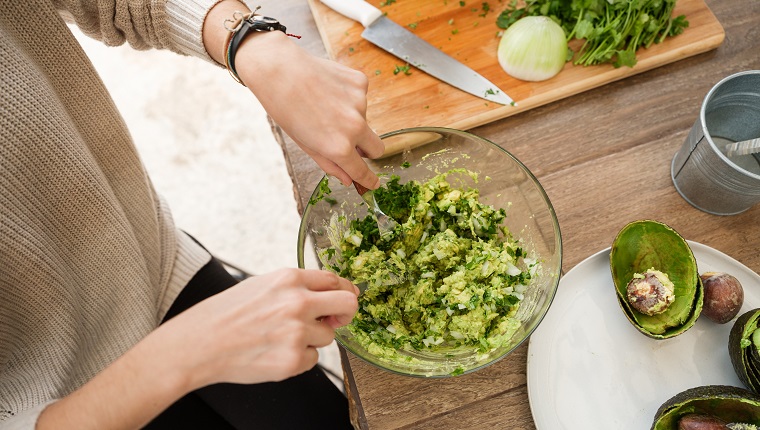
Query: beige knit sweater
x=90 y=259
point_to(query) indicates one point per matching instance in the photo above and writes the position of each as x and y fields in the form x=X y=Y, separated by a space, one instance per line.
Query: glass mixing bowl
x=504 y=182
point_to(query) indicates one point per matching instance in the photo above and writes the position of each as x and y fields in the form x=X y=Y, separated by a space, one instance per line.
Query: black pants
x=307 y=401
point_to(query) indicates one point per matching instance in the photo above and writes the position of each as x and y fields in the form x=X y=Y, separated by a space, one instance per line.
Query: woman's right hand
x=320 y=104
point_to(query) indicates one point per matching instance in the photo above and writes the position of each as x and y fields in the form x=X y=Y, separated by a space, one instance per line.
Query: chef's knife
x=402 y=43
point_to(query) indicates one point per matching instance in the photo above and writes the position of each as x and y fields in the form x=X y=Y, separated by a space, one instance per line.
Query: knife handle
x=358 y=10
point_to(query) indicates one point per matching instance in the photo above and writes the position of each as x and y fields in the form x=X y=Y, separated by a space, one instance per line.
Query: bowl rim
x=301 y=239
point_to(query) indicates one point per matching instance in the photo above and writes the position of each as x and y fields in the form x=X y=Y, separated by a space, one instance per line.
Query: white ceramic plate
x=589 y=368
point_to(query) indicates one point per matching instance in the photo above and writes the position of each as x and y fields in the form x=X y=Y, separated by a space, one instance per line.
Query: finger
x=371 y=145
x=332 y=169
x=335 y=307
x=322 y=280
x=357 y=169
x=347 y=168
x=337 y=321
x=341 y=304
x=319 y=335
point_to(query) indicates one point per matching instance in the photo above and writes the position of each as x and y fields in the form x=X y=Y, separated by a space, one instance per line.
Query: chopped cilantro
x=612 y=31
x=321 y=192
x=485 y=8
x=405 y=69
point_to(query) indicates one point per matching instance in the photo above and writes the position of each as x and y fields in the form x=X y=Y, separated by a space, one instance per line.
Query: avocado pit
x=710 y=422
x=650 y=292
x=724 y=296
x=701 y=422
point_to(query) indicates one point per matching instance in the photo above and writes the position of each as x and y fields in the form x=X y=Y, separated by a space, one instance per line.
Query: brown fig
x=724 y=296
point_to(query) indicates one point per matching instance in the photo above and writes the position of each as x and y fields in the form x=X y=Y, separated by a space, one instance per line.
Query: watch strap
x=242 y=27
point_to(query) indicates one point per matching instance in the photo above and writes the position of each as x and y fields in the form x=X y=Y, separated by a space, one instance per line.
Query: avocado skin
x=731 y=404
x=745 y=361
x=645 y=243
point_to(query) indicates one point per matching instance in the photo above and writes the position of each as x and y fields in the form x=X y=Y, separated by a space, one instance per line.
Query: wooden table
x=603 y=157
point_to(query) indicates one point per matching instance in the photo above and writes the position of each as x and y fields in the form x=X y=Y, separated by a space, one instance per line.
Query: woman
x=111 y=317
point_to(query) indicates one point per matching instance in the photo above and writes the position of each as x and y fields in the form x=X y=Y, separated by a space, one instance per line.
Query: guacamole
x=451 y=275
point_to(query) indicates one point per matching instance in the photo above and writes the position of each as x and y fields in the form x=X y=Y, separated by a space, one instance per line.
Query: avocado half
x=646 y=244
x=727 y=403
x=743 y=345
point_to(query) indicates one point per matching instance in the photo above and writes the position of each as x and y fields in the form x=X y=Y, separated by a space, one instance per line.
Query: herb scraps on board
x=611 y=30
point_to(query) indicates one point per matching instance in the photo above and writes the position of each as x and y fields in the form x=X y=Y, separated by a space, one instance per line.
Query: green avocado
x=727 y=403
x=743 y=344
x=646 y=244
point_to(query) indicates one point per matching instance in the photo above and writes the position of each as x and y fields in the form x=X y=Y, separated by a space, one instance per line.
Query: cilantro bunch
x=612 y=30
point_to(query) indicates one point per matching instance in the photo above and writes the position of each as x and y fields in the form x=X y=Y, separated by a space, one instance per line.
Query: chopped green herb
x=322 y=191
x=611 y=30
x=486 y=8
x=405 y=69
x=413 y=25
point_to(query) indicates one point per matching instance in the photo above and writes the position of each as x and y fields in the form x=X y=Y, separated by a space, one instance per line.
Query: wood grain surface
x=603 y=157
x=397 y=100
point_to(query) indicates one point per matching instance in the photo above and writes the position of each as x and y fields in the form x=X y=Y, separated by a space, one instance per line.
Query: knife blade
x=396 y=40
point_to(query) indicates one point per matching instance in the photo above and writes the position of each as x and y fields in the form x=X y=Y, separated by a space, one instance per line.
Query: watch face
x=265 y=23
x=265 y=19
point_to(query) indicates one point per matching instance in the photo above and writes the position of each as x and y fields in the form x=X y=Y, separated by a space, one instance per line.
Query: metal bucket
x=701 y=171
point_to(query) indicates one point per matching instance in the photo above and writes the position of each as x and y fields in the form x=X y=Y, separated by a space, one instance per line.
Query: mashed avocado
x=450 y=276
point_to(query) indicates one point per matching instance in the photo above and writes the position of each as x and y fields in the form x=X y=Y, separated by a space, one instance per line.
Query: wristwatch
x=254 y=23
x=262 y=23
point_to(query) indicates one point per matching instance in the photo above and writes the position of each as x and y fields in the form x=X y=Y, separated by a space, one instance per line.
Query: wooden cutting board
x=398 y=101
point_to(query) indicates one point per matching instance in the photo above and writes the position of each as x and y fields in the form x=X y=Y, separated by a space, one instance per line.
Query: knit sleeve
x=26 y=420
x=185 y=19
x=175 y=25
